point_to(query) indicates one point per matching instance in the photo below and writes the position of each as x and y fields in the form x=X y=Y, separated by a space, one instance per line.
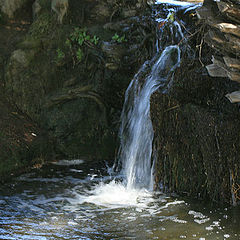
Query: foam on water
x=175 y=3
x=68 y=162
x=136 y=139
x=115 y=194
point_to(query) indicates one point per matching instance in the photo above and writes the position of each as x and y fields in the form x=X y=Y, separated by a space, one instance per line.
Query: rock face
x=11 y=7
x=223 y=18
x=196 y=128
x=22 y=143
x=70 y=78
x=60 y=7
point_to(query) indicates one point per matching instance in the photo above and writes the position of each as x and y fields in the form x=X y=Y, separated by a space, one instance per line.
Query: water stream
x=63 y=202
x=84 y=200
x=136 y=130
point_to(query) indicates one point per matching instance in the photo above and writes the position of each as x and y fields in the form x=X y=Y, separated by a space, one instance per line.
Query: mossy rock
x=21 y=141
x=80 y=128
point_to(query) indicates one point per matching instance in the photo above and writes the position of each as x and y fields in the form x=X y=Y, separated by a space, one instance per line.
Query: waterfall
x=136 y=131
x=134 y=165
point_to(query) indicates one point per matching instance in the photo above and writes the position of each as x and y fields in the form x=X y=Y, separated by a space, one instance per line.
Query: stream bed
x=80 y=200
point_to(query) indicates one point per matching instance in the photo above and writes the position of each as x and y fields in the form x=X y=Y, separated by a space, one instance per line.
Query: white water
x=136 y=134
x=136 y=129
x=57 y=208
x=134 y=166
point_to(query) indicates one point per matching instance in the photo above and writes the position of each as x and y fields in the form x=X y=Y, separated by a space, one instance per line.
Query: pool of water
x=78 y=201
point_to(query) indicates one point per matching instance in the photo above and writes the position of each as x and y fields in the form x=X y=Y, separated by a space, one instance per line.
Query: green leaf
x=68 y=43
x=79 y=54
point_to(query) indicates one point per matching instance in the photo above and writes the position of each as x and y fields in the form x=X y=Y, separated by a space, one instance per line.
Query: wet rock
x=216 y=71
x=232 y=63
x=10 y=7
x=233 y=97
x=81 y=121
x=60 y=7
x=195 y=134
x=129 y=12
x=223 y=19
x=36 y=8
x=230 y=10
x=114 y=50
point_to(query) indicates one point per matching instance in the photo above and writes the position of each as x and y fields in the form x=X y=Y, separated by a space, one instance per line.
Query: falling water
x=136 y=130
x=134 y=163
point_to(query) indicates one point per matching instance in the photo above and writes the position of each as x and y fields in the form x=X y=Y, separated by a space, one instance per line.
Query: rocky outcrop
x=11 y=7
x=196 y=136
x=196 y=141
x=68 y=72
x=22 y=143
x=60 y=7
x=222 y=19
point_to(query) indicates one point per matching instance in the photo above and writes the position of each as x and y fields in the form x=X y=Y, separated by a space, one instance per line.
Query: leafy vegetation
x=119 y=39
x=60 y=54
x=79 y=54
x=77 y=42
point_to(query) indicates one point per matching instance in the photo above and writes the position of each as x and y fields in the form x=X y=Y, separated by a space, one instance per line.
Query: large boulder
x=11 y=7
x=70 y=78
x=197 y=135
x=22 y=144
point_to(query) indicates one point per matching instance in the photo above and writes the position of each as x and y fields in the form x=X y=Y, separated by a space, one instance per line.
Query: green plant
x=119 y=39
x=79 y=54
x=68 y=43
x=77 y=42
x=80 y=36
x=94 y=40
x=60 y=54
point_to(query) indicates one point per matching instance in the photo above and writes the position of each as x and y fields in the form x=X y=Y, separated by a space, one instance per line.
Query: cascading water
x=136 y=130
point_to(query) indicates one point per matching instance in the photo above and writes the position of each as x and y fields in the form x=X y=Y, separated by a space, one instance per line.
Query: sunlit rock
x=60 y=7
x=233 y=97
x=9 y=7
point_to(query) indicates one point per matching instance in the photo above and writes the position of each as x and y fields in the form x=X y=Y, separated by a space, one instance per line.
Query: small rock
x=111 y=66
x=36 y=8
x=129 y=12
x=114 y=50
x=19 y=56
x=102 y=10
